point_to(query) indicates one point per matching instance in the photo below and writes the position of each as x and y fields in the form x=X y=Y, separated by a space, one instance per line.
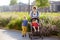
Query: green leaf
x=42 y=3
x=13 y=2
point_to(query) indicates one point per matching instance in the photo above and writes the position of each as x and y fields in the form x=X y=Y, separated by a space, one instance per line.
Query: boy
x=35 y=25
x=24 y=26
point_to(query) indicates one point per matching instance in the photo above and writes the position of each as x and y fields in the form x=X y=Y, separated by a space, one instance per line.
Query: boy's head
x=24 y=17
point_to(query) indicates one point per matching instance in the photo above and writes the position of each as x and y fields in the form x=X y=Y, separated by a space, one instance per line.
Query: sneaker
x=25 y=35
x=22 y=35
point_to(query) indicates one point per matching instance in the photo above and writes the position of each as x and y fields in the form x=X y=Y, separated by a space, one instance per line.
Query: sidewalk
x=11 y=35
x=15 y=35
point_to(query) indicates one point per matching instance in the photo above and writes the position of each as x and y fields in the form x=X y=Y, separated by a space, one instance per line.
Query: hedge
x=13 y=20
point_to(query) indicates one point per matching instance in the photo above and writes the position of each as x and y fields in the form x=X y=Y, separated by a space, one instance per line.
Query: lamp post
x=28 y=6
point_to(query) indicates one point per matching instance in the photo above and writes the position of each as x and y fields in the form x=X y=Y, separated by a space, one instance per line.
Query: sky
x=7 y=2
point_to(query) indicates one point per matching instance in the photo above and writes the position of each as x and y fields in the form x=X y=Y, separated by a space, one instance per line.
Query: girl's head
x=34 y=20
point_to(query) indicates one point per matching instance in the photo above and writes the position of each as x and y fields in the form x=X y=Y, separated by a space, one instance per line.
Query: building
x=55 y=6
x=21 y=7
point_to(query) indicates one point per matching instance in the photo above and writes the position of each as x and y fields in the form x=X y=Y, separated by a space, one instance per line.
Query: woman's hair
x=34 y=8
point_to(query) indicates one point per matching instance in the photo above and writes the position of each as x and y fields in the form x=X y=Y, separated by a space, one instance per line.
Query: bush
x=11 y=24
x=4 y=21
x=58 y=23
x=15 y=21
x=19 y=24
x=48 y=22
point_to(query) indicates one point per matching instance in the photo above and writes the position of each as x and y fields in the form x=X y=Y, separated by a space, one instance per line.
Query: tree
x=12 y=2
x=42 y=3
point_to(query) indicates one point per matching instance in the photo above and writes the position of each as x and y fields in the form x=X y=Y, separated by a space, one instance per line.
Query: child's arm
x=29 y=22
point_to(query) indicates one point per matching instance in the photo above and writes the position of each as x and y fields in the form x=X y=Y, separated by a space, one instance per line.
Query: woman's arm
x=31 y=14
x=38 y=13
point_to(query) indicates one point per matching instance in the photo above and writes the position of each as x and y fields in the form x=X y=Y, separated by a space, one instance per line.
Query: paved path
x=14 y=35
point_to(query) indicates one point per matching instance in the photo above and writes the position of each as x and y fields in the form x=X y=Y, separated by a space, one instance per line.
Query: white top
x=34 y=14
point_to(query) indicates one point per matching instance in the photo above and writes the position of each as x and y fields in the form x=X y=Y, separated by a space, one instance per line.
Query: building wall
x=55 y=6
x=20 y=7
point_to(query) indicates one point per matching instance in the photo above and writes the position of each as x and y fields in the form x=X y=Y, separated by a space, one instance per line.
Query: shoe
x=25 y=35
x=22 y=35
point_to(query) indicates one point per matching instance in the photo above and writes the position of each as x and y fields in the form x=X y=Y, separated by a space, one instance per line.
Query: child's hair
x=24 y=17
x=33 y=20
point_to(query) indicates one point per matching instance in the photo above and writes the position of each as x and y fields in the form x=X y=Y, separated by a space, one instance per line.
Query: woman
x=34 y=14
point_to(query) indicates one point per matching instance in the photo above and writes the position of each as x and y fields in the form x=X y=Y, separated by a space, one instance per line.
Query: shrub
x=15 y=21
x=4 y=21
x=19 y=24
x=58 y=23
x=11 y=24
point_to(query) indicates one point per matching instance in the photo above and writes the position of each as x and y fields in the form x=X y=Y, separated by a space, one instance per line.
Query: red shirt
x=35 y=24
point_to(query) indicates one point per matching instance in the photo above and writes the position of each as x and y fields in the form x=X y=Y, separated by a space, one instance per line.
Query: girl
x=35 y=25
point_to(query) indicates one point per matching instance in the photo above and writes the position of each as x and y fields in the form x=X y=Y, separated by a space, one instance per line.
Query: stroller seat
x=32 y=33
